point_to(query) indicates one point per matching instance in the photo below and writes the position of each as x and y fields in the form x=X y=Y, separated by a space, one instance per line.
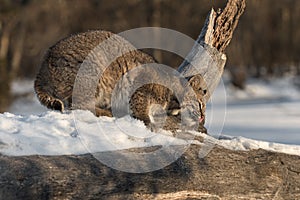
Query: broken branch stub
x=207 y=56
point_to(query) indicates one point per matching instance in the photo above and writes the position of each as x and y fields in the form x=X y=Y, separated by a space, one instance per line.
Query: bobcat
x=54 y=83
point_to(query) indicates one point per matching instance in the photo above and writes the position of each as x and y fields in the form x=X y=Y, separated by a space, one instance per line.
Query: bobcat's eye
x=204 y=91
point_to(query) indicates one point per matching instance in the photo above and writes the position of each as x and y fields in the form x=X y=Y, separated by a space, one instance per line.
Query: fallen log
x=222 y=174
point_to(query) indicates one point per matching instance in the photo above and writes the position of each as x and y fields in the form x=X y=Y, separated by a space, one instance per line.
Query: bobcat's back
x=55 y=80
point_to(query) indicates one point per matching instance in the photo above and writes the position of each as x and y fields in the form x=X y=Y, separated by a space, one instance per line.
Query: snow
x=244 y=144
x=266 y=115
x=80 y=132
x=266 y=110
x=77 y=132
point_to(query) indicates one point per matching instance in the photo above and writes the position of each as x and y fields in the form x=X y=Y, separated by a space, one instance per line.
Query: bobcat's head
x=199 y=86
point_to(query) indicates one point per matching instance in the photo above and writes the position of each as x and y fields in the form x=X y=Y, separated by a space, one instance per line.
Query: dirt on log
x=222 y=174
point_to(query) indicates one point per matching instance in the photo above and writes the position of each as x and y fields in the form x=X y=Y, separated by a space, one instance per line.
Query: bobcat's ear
x=188 y=78
x=195 y=82
x=196 y=79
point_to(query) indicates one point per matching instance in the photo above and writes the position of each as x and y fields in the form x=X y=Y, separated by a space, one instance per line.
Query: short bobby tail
x=44 y=97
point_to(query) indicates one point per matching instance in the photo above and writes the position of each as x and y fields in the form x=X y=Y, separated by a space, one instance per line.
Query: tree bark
x=222 y=174
x=207 y=57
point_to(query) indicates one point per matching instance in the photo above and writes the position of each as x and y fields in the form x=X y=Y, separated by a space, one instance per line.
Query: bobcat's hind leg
x=51 y=102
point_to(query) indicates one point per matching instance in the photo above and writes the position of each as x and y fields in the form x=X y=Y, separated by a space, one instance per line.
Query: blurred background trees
x=265 y=44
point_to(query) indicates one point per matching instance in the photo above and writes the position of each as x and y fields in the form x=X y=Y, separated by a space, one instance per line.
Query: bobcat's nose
x=199 y=116
x=201 y=119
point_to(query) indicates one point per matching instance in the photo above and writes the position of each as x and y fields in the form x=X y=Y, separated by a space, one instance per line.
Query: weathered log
x=207 y=57
x=222 y=174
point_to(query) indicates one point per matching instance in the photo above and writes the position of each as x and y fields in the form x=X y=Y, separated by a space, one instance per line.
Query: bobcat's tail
x=45 y=97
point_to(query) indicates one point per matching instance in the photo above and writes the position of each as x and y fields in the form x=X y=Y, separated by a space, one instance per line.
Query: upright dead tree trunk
x=207 y=56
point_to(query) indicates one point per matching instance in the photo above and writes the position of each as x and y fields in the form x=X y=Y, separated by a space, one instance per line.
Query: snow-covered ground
x=268 y=112
x=79 y=132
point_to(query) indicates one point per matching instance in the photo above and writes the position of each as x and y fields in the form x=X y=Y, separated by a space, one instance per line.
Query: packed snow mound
x=77 y=132
x=80 y=132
